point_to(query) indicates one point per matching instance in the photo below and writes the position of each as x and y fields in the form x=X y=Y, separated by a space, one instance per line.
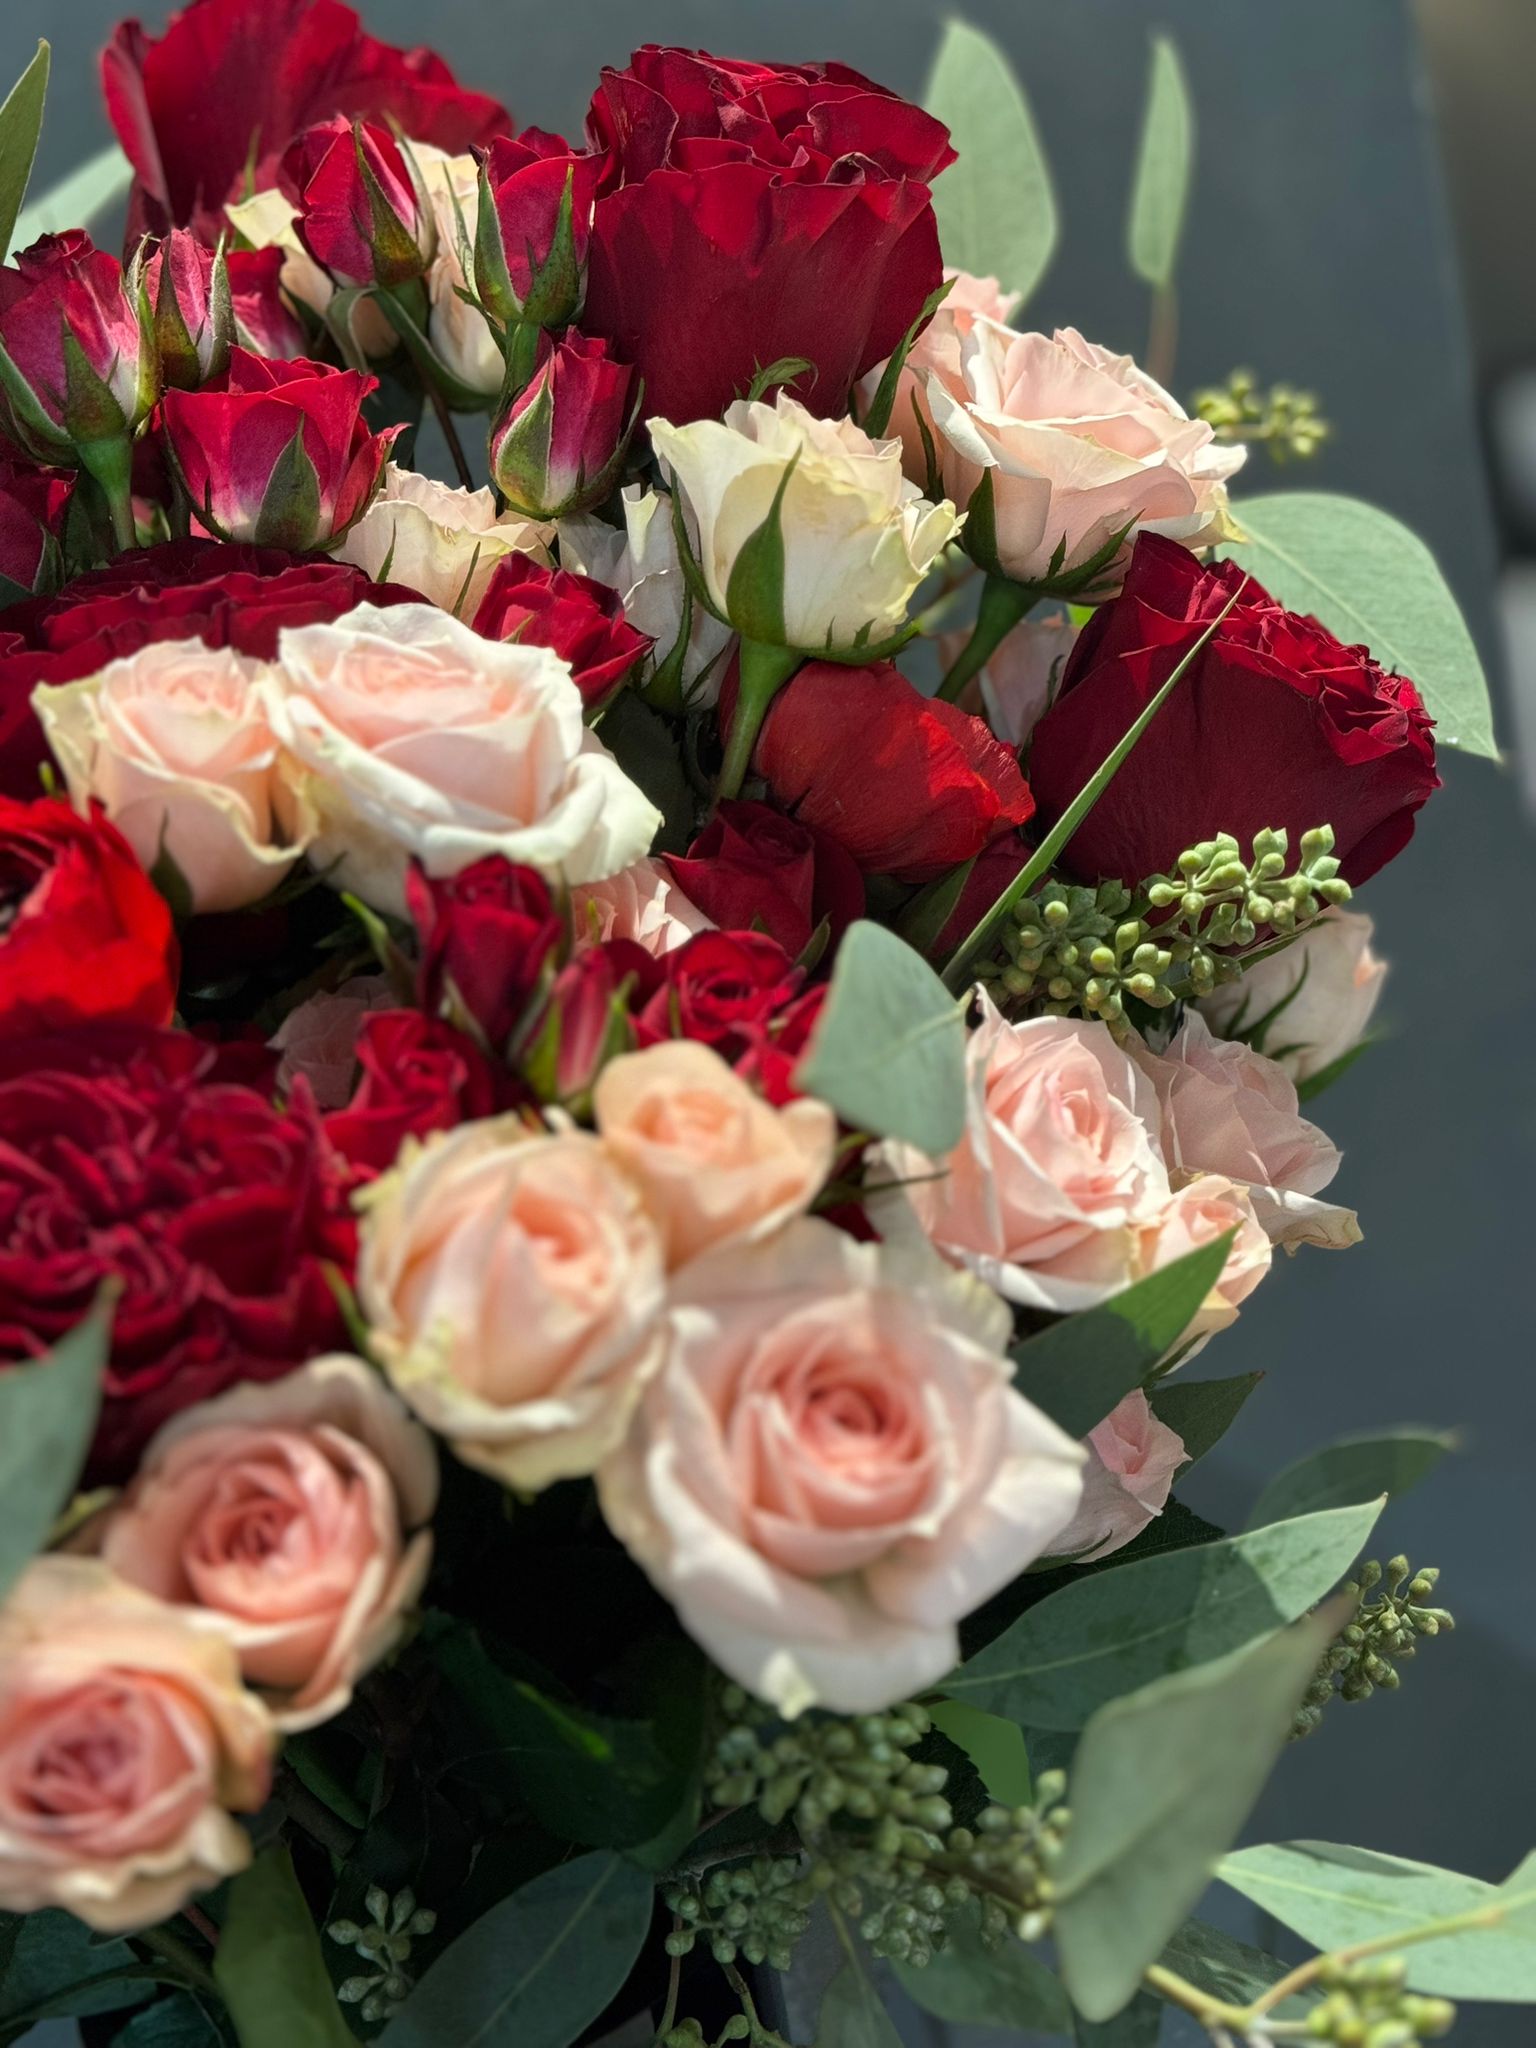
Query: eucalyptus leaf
x=76 y=200
x=970 y=1984
x=1138 y=2025
x=852 y=2015
x=995 y=207
x=1201 y=1411
x=21 y=122
x=174 y=2022
x=888 y=1050
x=1370 y=580
x=1164 y=167
x=538 y=1967
x=995 y=1746
x=1224 y=1967
x=1161 y=1783
x=49 y=1958
x=1112 y=1631
x=1357 y=1468
x=48 y=1412
x=269 y=1966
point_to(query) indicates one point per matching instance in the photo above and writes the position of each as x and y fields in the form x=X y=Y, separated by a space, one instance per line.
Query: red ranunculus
x=416 y=1075
x=84 y=934
x=558 y=446
x=1275 y=724
x=265 y=323
x=534 y=269
x=910 y=785
x=360 y=214
x=222 y=93
x=724 y=989
x=752 y=211
x=581 y=619
x=34 y=504
x=77 y=367
x=128 y=1156
x=490 y=935
x=753 y=867
x=276 y=453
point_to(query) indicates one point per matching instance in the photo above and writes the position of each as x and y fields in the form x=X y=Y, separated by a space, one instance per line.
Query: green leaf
x=1335 y=1897
x=971 y=1985
x=1224 y=1967
x=1161 y=1783
x=269 y=1966
x=1164 y=164
x=646 y=748
x=47 y=1418
x=50 y=1959
x=21 y=122
x=174 y=2022
x=1080 y=1368
x=1111 y=1631
x=995 y=1746
x=534 y=1970
x=852 y=2015
x=76 y=200
x=1358 y=1468
x=1370 y=580
x=1140 y=2025
x=888 y=1051
x=1335 y=1070
x=1201 y=1411
x=995 y=207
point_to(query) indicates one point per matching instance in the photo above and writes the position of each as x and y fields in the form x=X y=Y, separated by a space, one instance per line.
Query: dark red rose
x=127 y=1155
x=219 y=97
x=752 y=211
x=581 y=619
x=993 y=871
x=910 y=785
x=534 y=266
x=558 y=446
x=276 y=453
x=80 y=369
x=724 y=989
x=34 y=504
x=588 y=1019
x=772 y=1056
x=490 y=938
x=416 y=1075
x=84 y=934
x=360 y=215
x=753 y=867
x=265 y=323
x=1275 y=723
x=187 y=286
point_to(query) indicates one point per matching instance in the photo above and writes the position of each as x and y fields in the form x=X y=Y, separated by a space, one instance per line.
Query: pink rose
x=1022 y=676
x=1132 y=1458
x=125 y=1735
x=1205 y=1208
x=283 y=1512
x=641 y=903
x=1321 y=992
x=832 y=1468
x=936 y=353
x=715 y=1163
x=319 y=1038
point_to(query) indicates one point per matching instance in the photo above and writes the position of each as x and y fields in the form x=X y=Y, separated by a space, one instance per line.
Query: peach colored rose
x=1057 y=1171
x=1227 y=1109
x=283 y=1512
x=1132 y=1458
x=444 y=542
x=936 y=353
x=513 y=1284
x=642 y=903
x=174 y=743
x=1203 y=1209
x=125 y=1735
x=1329 y=982
x=318 y=1039
x=832 y=1468
x=716 y=1164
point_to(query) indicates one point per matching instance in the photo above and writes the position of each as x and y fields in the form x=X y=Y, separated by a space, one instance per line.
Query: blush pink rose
x=715 y=1163
x=1205 y=1207
x=1321 y=993
x=1132 y=1458
x=1022 y=675
x=936 y=353
x=832 y=1467
x=641 y=903
x=284 y=1513
x=125 y=1738
x=319 y=1038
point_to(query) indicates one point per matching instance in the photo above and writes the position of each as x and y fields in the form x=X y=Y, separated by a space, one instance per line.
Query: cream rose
x=858 y=538
x=459 y=334
x=284 y=1512
x=641 y=903
x=422 y=739
x=1321 y=991
x=174 y=743
x=715 y=1163
x=1022 y=675
x=1132 y=1458
x=832 y=1468
x=444 y=542
x=513 y=1284
x=1056 y=1174
x=125 y=1735
x=1080 y=445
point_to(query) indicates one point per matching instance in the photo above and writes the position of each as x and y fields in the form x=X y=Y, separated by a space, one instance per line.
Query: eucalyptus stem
x=1163 y=333
x=1003 y=604
x=170 y=1948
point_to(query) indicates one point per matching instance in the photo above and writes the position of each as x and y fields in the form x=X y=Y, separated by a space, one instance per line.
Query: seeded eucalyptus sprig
x=1285 y=420
x=1385 y=1632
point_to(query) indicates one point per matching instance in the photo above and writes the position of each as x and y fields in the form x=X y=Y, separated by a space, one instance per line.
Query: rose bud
x=586 y=1022
x=583 y=621
x=1310 y=1005
x=535 y=223
x=187 y=285
x=362 y=212
x=276 y=452
x=33 y=506
x=416 y=1075
x=486 y=934
x=265 y=323
x=559 y=445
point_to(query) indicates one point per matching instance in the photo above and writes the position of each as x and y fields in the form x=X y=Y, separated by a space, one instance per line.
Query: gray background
x=1318 y=252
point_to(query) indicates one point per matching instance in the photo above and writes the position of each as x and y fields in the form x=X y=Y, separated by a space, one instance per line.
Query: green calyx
x=1385 y=1632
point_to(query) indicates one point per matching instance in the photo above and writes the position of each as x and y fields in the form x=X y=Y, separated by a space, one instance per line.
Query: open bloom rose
x=858 y=538
x=173 y=743
x=831 y=1468
x=34 y=504
x=1321 y=993
x=125 y=1735
x=936 y=352
x=415 y=1075
x=1132 y=1458
x=716 y=1164
x=423 y=739
x=1079 y=444
x=1202 y=1208
x=444 y=542
x=512 y=1283
x=284 y=1514
x=1058 y=1169
x=640 y=903
x=753 y=869
x=581 y=620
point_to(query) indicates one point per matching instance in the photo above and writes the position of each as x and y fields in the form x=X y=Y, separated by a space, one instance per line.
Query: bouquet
x=632 y=1078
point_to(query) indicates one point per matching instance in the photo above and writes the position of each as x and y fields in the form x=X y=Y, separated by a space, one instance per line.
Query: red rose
x=417 y=1075
x=722 y=988
x=753 y=867
x=33 y=506
x=587 y=1020
x=534 y=267
x=1275 y=723
x=84 y=934
x=128 y=1156
x=752 y=211
x=771 y=1058
x=993 y=871
x=188 y=106
x=911 y=786
x=581 y=619
x=487 y=935
x=558 y=446
x=265 y=323
x=77 y=370
x=187 y=286
x=277 y=453
x=360 y=215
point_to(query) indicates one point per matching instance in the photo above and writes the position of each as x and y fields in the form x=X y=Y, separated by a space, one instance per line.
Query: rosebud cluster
x=1384 y=1633
x=1367 y=2006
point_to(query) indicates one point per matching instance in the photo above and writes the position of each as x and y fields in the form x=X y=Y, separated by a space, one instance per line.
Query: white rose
x=444 y=542
x=1321 y=992
x=460 y=336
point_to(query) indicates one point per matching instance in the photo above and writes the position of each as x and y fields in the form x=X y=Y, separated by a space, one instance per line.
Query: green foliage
x=268 y=1963
x=646 y=749
x=995 y=1746
x=175 y=2022
x=1139 y=2025
x=975 y=1982
x=852 y=2015
x=995 y=207
x=21 y=122
x=1357 y=1468
x=47 y=1418
x=52 y=1963
x=1164 y=167
x=1223 y=1967
x=1201 y=1411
